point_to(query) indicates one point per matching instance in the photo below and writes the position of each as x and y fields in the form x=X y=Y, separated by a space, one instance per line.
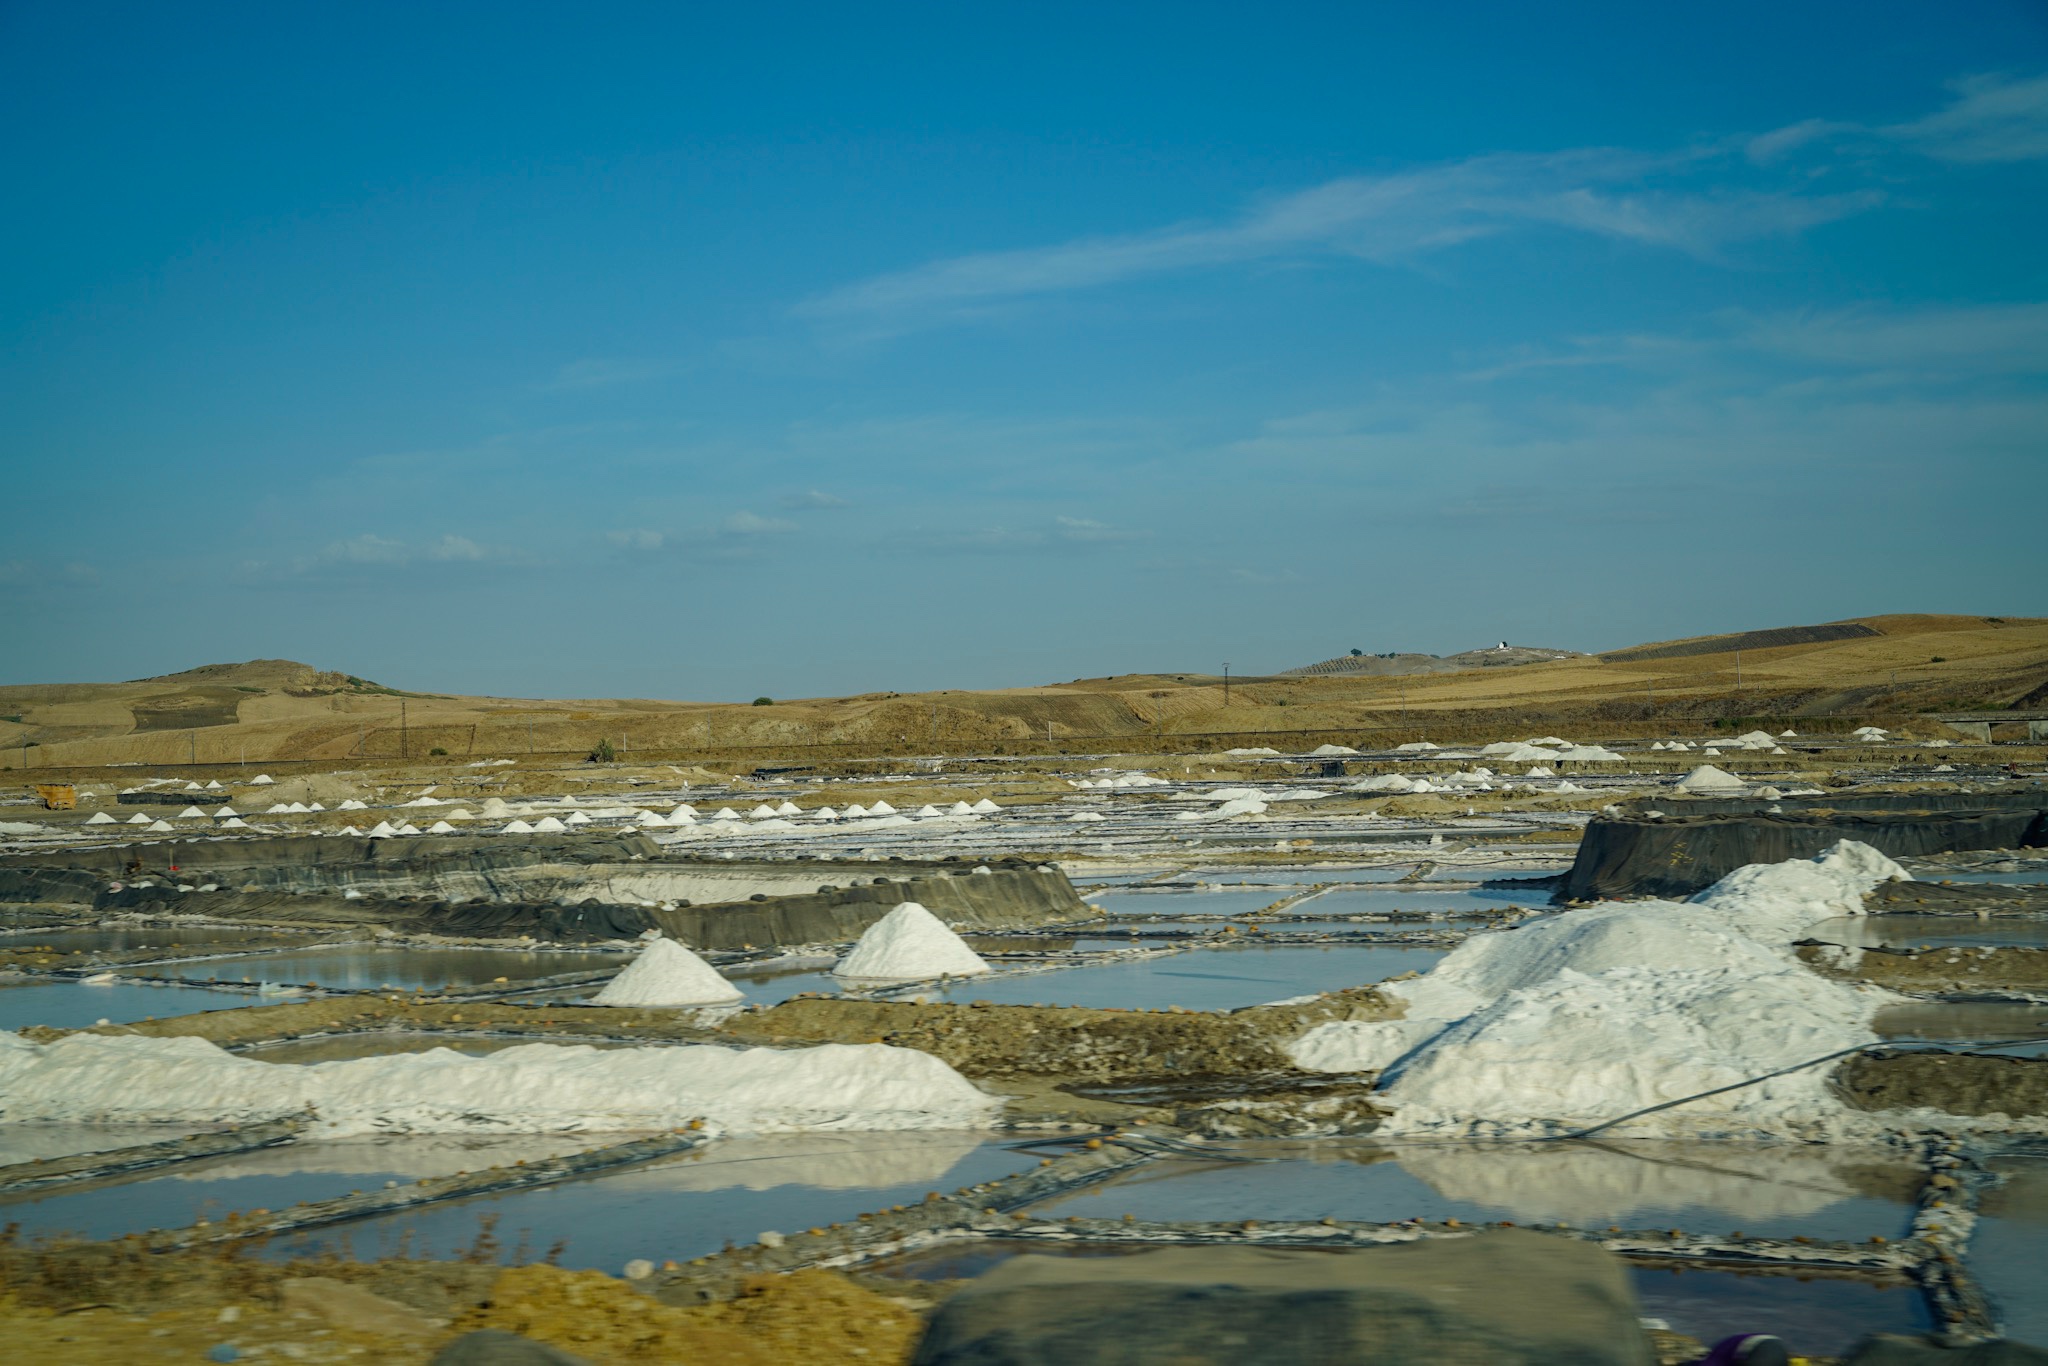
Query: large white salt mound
x=1255 y=751
x=548 y=825
x=1414 y=747
x=517 y=828
x=89 y=1078
x=99 y=818
x=138 y=819
x=927 y=811
x=960 y=809
x=1330 y=751
x=1598 y=1013
x=909 y=944
x=1383 y=782
x=667 y=974
x=353 y=805
x=985 y=807
x=789 y=809
x=191 y=813
x=1707 y=778
x=262 y=780
x=878 y=809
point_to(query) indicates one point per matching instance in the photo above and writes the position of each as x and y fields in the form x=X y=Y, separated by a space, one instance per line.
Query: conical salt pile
x=909 y=944
x=667 y=974
x=1707 y=778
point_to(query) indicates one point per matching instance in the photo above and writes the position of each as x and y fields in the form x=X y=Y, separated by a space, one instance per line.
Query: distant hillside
x=1389 y=665
x=1893 y=669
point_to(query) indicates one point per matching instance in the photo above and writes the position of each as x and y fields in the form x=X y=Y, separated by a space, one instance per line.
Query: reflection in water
x=1202 y=979
x=1966 y=1022
x=1938 y=931
x=1768 y=1190
x=2009 y=1251
x=1818 y=1316
x=40 y=1142
x=692 y=1204
x=192 y=939
x=77 y=1005
x=362 y=969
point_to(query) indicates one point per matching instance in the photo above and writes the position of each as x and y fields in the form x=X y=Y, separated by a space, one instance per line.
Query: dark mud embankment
x=564 y=888
x=1956 y=1083
x=1637 y=856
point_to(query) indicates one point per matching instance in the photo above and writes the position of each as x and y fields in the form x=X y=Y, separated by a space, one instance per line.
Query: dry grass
x=1916 y=664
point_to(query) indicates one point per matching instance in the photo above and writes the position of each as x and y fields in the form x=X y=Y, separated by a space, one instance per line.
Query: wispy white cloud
x=1603 y=192
x=812 y=499
x=28 y=574
x=1993 y=118
x=1087 y=529
x=370 y=550
x=753 y=524
x=1972 y=343
x=1694 y=201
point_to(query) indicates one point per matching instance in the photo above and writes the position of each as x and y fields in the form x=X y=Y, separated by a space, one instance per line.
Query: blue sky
x=661 y=351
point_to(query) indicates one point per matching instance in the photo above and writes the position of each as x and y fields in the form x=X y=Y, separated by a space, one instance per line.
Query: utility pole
x=401 y=728
x=1738 y=671
x=1226 y=682
x=529 y=735
x=191 y=747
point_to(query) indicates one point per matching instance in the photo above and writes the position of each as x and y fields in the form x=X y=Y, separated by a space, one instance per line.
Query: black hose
x=1796 y=1067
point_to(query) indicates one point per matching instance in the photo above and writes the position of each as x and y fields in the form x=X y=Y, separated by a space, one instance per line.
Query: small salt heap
x=667 y=974
x=909 y=944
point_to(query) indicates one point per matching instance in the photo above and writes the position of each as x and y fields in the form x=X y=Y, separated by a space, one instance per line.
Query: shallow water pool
x=1814 y=1315
x=1768 y=1190
x=694 y=1203
x=2009 y=1252
x=1181 y=904
x=119 y=940
x=365 y=968
x=77 y=1005
x=269 y=1178
x=41 y=1142
x=1419 y=897
x=1201 y=979
x=1965 y=1022
x=1936 y=931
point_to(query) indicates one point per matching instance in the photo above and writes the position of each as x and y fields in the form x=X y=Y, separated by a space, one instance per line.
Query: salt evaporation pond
x=1816 y=1316
x=1813 y=1315
x=2009 y=1251
x=1777 y=1191
x=365 y=968
x=1184 y=904
x=1302 y=877
x=1935 y=931
x=78 y=1005
x=685 y=1206
x=120 y=940
x=2019 y=877
x=1964 y=1022
x=41 y=1142
x=1417 y=898
x=270 y=1178
x=1200 y=979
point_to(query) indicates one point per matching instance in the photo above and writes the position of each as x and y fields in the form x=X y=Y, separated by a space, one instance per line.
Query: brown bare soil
x=1890 y=668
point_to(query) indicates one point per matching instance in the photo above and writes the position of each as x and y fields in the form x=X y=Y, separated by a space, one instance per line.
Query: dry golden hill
x=1890 y=670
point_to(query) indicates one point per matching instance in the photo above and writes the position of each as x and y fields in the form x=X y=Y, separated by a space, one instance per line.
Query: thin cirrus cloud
x=370 y=550
x=1991 y=119
x=1974 y=343
x=1376 y=218
x=1683 y=201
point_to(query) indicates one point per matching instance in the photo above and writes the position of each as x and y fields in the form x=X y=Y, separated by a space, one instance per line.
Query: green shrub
x=603 y=753
x=764 y=701
x=436 y=750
